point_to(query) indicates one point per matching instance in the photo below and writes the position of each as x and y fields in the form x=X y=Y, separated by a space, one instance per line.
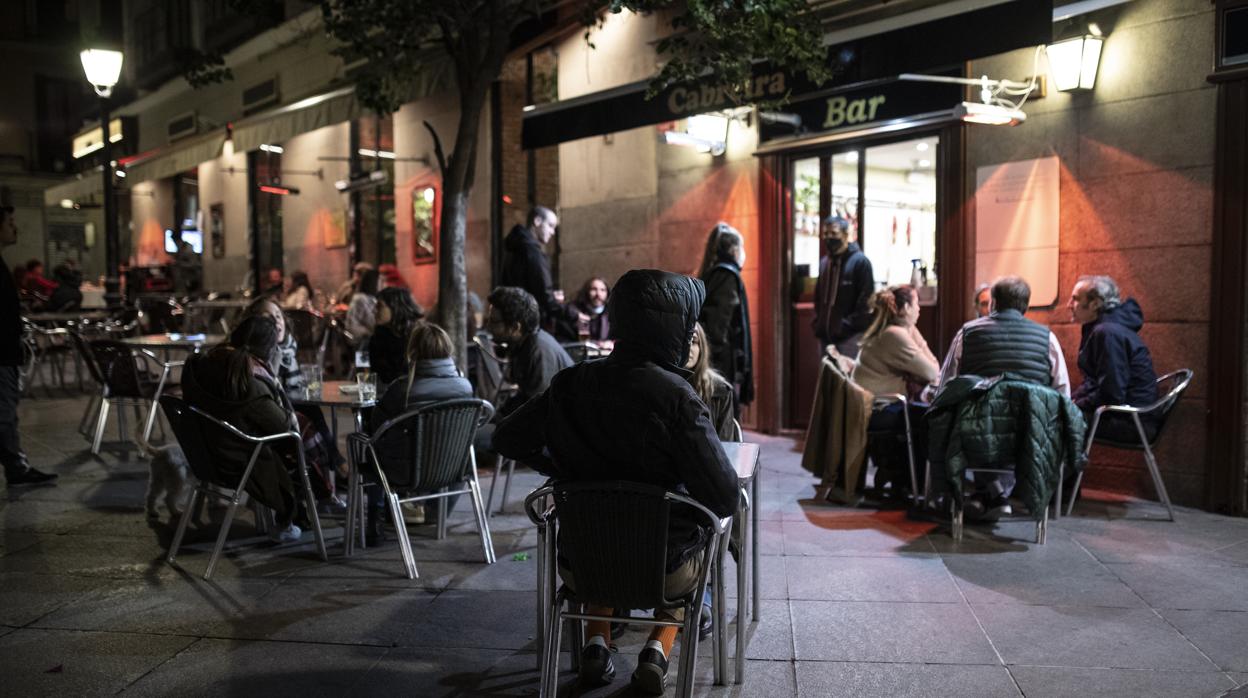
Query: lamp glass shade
x=1073 y=62
x=102 y=66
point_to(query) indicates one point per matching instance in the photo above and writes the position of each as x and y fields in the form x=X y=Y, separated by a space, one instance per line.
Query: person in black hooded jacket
x=726 y=313
x=526 y=266
x=634 y=416
x=1116 y=365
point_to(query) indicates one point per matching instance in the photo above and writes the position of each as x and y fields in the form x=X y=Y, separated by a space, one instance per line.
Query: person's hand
x=558 y=295
x=582 y=318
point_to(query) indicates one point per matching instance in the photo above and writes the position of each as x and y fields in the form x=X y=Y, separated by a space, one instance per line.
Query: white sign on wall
x=1016 y=225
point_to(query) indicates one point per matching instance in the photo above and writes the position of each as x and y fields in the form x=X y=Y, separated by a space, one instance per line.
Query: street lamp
x=103 y=68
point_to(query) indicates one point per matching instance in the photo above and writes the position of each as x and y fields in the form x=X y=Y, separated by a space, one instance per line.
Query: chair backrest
x=491 y=374
x=613 y=538
x=88 y=358
x=119 y=368
x=195 y=431
x=159 y=314
x=426 y=449
x=1170 y=388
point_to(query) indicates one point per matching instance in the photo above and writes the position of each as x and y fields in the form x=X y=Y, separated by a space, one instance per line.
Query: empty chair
x=196 y=429
x=613 y=538
x=493 y=387
x=1170 y=387
x=428 y=455
x=124 y=382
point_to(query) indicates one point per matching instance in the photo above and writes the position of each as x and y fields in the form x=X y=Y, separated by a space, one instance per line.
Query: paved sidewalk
x=856 y=602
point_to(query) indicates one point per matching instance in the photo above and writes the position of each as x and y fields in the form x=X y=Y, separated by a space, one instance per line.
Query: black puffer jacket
x=1116 y=366
x=633 y=416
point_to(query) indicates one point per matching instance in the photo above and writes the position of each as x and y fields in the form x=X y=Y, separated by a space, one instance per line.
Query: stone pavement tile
x=762 y=677
x=1186 y=586
x=771 y=638
x=331 y=612
x=983 y=541
x=1242 y=679
x=1144 y=541
x=773 y=582
x=41 y=516
x=933 y=633
x=780 y=507
x=855 y=532
x=459 y=619
x=1054 y=682
x=188 y=606
x=1056 y=573
x=1086 y=636
x=1223 y=635
x=13 y=541
x=865 y=679
x=68 y=663
x=24 y=598
x=87 y=556
x=430 y=672
x=1236 y=553
x=870 y=579
x=238 y=668
x=6 y=629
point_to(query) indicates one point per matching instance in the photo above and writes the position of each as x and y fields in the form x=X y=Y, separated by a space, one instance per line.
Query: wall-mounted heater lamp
x=1001 y=101
x=1073 y=62
x=708 y=133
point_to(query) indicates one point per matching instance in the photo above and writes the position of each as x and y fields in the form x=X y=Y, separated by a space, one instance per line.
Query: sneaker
x=290 y=534
x=597 y=669
x=651 y=673
x=30 y=476
x=997 y=508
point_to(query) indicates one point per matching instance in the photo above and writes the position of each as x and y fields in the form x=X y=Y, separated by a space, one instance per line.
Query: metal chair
x=493 y=387
x=882 y=401
x=124 y=381
x=158 y=313
x=957 y=516
x=429 y=456
x=1161 y=409
x=196 y=429
x=614 y=539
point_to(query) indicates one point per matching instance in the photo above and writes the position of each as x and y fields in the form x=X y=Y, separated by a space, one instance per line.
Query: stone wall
x=1136 y=203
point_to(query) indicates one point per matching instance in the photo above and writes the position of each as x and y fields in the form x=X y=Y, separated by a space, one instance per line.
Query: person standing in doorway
x=16 y=470
x=726 y=312
x=526 y=266
x=843 y=292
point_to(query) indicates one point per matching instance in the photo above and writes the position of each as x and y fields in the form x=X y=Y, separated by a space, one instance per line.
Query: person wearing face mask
x=726 y=312
x=843 y=292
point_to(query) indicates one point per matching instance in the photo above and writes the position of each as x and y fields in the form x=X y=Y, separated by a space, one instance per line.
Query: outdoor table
x=744 y=459
x=331 y=396
x=68 y=317
x=173 y=340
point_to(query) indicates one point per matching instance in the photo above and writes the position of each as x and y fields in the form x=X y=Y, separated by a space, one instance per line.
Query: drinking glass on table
x=366 y=384
x=312 y=382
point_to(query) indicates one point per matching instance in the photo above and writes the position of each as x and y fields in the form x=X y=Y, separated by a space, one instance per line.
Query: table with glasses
x=337 y=395
x=69 y=317
x=173 y=340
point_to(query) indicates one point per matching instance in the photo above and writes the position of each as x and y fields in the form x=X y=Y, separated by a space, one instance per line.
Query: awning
x=87 y=185
x=282 y=124
x=177 y=157
x=927 y=47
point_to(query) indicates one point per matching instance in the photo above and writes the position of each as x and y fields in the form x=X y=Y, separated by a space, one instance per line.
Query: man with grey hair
x=1116 y=365
x=1004 y=343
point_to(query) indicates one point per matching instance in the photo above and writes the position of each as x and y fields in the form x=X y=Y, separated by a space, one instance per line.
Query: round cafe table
x=173 y=340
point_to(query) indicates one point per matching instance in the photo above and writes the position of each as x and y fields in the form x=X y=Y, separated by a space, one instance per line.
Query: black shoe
x=597 y=669
x=30 y=476
x=651 y=673
x=373 y=533
x=996 y=508
x=705 y=622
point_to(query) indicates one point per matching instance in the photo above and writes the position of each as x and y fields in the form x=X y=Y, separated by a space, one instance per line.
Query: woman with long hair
x=397 y=314
x=300 y=295
x=726 y=312
x=714 y=390
x=894 y=359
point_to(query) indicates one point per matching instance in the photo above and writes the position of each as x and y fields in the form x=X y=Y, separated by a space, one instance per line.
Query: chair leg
x=1153 y=469
x=483 y=524
x=1057 y=494
x=224 y=534
x=100 y=422
x=719 y=635
x=550 y=654
x=181 y=531
x=441 y=514
x=353 y=502
x=1087 y=461
x=310 y=499
x=405 y=542
x=121 y=423
x=1042 y=527
x=84 y=424
x=956 y=525
x=688 y=651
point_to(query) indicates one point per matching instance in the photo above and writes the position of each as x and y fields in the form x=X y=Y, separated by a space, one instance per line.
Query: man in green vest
x=1004 y=343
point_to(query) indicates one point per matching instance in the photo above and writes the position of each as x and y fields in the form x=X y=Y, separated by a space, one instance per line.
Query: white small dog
x=168 y=474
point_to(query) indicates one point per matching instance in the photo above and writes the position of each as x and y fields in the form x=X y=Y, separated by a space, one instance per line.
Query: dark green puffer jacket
x=990 y=422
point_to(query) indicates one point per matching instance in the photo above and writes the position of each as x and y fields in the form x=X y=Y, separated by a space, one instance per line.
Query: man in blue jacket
x=1116 y=365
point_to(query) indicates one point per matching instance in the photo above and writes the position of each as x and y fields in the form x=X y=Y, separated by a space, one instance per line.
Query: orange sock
x=598 y=627
x=666 y=636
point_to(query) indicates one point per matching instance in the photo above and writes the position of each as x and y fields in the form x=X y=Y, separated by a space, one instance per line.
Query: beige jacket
x=836 y=439
x=893 y=356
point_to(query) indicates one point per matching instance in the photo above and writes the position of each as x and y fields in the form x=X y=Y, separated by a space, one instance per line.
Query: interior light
x=851 y=156
x=121 y=173
x=921 y=146
x=103 y=68
x=67 y=203
x=429 y=194
x=925 y=163
x=1073 y=62
x=989 y=114
x=277 y=149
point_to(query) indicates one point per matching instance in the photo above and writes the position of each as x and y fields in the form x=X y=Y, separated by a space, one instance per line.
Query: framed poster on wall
x=426 y=221
x=216 y=229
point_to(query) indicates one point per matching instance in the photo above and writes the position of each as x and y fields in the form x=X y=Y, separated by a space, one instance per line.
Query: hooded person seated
x=634 y=416
x=1116 y=365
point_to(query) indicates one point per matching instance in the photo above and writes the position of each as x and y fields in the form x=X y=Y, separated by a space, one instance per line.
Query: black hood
x=652 y=314
x=1129 y=315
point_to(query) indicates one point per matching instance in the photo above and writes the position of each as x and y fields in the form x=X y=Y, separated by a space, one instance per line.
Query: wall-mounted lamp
x=1073 y=62
x=708 y=133
x=989 y=114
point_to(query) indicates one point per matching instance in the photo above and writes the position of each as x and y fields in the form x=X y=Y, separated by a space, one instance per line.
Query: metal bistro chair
x=614 y=536
x=194 y=430
x=159 y=313
x=493 y=387
x=124 y=381
x=1177 y=382
x=437 y=462
x=882 y=401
